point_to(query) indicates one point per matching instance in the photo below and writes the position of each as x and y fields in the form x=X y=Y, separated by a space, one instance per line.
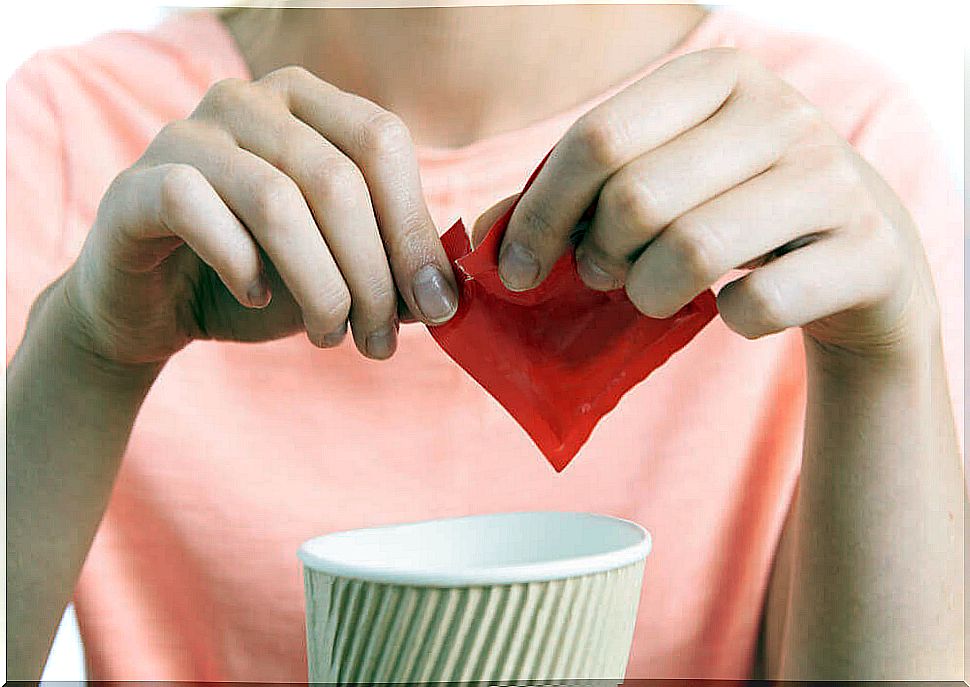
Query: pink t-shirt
x=242 y=452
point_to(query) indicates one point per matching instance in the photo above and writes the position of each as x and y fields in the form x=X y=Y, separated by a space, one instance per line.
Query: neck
x=456 y=75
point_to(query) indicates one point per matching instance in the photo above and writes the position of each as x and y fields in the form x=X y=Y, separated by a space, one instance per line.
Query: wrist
x=56 y=324
x=904 y=341
x=894 y=394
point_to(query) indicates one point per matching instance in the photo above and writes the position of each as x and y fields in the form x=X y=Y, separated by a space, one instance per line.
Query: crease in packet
x=559 y=357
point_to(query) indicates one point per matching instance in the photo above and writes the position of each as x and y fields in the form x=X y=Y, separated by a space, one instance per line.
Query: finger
x=272 y=207
x=404 y=315
x=490 y=217
x=833 y=275
x=643 y=197
x=380 y=145
x=338 y=198
x=673 y=99
x=176 y=200
x=762 y=215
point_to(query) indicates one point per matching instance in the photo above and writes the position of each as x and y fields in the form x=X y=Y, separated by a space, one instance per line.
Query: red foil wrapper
x=558 y=357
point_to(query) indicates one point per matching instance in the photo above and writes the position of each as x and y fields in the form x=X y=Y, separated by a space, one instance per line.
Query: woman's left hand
x=711 y=164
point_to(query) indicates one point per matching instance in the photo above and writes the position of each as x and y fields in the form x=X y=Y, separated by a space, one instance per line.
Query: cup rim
x=315 y=556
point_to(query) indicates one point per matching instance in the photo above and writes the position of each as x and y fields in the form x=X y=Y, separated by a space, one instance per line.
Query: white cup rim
x=405 y=554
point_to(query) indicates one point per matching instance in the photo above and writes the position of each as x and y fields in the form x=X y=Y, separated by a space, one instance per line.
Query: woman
x=190 y=186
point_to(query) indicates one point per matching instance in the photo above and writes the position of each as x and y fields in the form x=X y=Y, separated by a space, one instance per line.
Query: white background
x=924 y=43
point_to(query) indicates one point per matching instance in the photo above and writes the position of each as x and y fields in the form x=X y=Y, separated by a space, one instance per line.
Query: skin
x=221 y=231
x=868 y=582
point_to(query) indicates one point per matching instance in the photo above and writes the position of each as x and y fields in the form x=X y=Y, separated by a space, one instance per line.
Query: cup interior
x=500 y=548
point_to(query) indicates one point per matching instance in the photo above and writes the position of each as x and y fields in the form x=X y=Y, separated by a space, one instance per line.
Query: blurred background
x=923 y=43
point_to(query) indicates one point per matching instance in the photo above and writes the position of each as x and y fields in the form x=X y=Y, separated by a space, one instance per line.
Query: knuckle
x=534 y=218
x=291 y=151
x=800 y=115
x=876 y=237
x=635 y=204
x=808 y=129
x=197 y=132
x=858 y=201
x=331 y=311
x=741 y=61
x=275 y=197
x=413 y=233
x=702 y=61
x=224 y=94
x=813 y=155
x=122 y=187
x=379 y=296
x=174 y=188
x=177 y=130
x=835 y=164
x=694 y=248
x=801 y=111
x=872 y=228
x=281 y=82
x=895 y=268
x=831 y=164
x=383 y=134
x=601 y=142
x=289 y=75
x=727 y=57
x=338 y=183
x=606 y=254
x=124 y=180
x=842 y=171
x=822 y=158
x=338 y=307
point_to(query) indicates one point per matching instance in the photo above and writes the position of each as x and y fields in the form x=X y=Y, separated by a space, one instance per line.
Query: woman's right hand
x=285 y=187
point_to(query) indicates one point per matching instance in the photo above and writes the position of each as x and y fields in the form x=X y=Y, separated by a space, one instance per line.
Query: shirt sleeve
x=899 y=142
x=36 y=194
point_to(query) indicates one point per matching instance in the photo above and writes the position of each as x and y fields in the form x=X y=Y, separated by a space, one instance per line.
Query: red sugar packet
x=558 y=357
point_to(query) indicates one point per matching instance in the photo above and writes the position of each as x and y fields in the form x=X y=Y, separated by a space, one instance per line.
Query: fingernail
x=336 y=336
x=258 y=294
x=518 y=267
x=380 y=344
x=595 y=276
x=434 y=294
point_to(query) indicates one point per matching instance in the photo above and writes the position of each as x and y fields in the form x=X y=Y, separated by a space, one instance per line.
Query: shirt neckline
x=698 y=35
x=479 y=153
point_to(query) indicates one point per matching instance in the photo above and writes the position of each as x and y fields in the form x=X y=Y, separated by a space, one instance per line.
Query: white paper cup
x=515 y=596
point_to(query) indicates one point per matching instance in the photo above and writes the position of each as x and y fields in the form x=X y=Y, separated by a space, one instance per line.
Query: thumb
x=490 y=217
